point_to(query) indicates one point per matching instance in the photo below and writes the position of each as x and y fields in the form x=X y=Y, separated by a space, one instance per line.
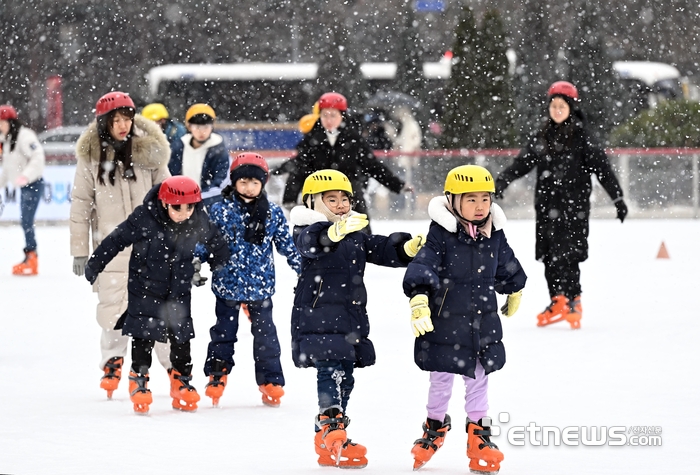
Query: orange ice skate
x=333 y=447
x=271 y=394
x=484 y=456
x=555 y=311
x=112 y=376
x=139 y=393
x=575 y=313
x=184 y=395
x=434 y=433
x=29 y=266
x=217 y=382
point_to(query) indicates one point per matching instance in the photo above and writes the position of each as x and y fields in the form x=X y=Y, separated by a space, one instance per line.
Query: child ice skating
x=251 y=226
x=452 y=285
x=330 y=326
x=565 y=158
x=163 y=232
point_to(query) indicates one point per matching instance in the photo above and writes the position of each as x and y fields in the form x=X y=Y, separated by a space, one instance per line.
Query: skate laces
x=140 y=380
x=184 y=381
x=433 y=433
x=111 y=368
x=484 y=433
x=216 y=379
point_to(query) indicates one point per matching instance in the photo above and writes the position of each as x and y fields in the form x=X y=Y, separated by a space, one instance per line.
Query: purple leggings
x=476 y=400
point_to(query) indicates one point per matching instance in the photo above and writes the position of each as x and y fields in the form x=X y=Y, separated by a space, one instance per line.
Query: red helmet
x=333 y=100
x=249 y=164
x=111 y=101
x=7 y=112
x=563 y=88
x=178 y=190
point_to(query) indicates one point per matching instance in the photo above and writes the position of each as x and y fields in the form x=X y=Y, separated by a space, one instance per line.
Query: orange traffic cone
x=663 y=253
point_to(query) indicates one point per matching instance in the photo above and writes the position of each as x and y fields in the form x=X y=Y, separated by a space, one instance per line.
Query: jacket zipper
x=443 y=302
x=320 y=286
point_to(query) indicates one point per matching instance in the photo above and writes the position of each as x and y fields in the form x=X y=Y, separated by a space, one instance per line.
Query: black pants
x=563 y=277
x=141 y=352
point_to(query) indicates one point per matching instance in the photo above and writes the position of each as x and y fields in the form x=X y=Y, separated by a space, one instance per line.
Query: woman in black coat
x=565 y=158
x=333 y=144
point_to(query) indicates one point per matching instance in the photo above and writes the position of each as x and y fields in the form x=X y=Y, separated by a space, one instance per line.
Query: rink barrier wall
x=657 y=183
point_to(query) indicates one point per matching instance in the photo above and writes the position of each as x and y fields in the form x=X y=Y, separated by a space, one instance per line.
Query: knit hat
x=248 y=171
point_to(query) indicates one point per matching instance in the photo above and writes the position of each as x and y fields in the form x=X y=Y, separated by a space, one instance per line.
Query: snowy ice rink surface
x=635 y=362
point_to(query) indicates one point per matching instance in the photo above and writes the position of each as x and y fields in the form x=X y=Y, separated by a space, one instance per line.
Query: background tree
x=339 y=69
x=461 y=89
x=591 y=70
x=536 y=66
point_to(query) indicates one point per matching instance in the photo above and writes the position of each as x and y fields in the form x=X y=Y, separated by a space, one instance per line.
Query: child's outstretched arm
x=284 y=243
x=123 y=236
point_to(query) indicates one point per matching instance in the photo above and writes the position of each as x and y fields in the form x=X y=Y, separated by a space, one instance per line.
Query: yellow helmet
x=469 y=179
x=155 y=112
x=198 y=109
x=325 y=180
x=307 y=122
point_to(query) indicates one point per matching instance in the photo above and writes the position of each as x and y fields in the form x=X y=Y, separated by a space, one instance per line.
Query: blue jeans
x=266 y=345
x=29 y=201
x=334 y=382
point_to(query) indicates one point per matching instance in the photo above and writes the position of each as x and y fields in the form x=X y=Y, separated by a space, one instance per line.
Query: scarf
x=258 y=210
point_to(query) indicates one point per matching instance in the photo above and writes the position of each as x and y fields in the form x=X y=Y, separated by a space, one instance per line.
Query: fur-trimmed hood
x=303 y=216
x=439 y=211
x=150 y=148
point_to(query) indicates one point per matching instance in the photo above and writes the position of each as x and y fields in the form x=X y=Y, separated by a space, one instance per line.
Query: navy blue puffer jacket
x=461 y=276
x=329 y=320
x=160 y=267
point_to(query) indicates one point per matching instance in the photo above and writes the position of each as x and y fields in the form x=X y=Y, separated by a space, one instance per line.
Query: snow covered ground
x=634 y=363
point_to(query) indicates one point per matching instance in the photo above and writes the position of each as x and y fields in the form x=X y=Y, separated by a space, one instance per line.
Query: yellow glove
x=420 y=315
x=512 y=304
x=346 y=226
x=412 y=246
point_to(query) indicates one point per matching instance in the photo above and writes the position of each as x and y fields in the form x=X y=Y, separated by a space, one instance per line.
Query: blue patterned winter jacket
x=250 y=274
x=461 y=275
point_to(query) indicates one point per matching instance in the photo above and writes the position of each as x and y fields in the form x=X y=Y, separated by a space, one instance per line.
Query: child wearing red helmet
x=565 y=157
x=252 y=226
x=163 y=233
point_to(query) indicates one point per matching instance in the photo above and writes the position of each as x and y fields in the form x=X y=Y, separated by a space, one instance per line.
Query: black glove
x=621 y=208
x=197 y=280
x=501 y=186
x=90 y=275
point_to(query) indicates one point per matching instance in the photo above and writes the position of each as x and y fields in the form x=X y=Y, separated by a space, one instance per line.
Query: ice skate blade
x=141 y=409
x=418 y=465
x=109 y=394
x=544 y=323
x=187 y=407
x=271 y=403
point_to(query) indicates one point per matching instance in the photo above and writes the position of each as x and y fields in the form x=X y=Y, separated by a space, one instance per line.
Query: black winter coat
x=350 y=155
x=565 y=159
x=461 y=275
x=160 y=267
x=329 y=319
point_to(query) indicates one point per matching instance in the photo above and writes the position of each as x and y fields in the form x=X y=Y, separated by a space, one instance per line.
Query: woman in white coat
x=23 y=165
x=121 y=156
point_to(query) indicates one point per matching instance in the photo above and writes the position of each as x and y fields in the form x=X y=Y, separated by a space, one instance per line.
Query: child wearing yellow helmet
x=201 y=154
x=452 y=285
x=330 y=326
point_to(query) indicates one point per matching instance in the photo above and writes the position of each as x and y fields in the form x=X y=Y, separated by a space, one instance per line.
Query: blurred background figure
x=172 y=129
x=23 y=164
